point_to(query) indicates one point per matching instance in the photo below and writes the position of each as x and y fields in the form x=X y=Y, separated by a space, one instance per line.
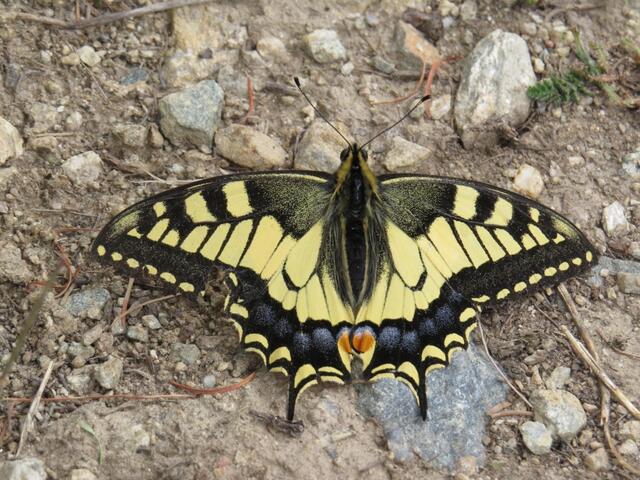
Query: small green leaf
x=87 y=428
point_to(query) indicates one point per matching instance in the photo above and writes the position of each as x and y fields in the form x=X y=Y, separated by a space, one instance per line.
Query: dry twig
x=215 y=390
x=107 y=18
x=596 y=369
x=26 y=426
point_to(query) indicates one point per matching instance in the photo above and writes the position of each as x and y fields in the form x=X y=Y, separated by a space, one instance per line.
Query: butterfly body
x=324 y=268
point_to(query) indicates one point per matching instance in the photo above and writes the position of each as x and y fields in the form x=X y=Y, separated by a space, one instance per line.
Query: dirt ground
x=218 y=437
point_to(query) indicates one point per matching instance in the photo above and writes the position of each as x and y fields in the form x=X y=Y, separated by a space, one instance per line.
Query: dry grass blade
x=497 y=367
x=28 y=325
x=26 y=426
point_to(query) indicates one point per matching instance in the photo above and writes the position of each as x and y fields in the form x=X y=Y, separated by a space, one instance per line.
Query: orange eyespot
x=363 y=341
x=343 y=342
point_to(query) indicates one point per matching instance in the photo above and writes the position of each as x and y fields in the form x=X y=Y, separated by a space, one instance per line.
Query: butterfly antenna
x=422 y=100
x=295 y=79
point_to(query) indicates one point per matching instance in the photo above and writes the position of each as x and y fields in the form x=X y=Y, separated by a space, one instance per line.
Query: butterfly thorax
x=354 y=199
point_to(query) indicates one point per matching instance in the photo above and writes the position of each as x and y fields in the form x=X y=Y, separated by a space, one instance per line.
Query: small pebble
x=138 y=333
x=324 y=46
x=528 y=181
x=151 y=322
x=614 y=220
x=88 y=56
x=597 y=461
x=536 y=437
x=209 y=381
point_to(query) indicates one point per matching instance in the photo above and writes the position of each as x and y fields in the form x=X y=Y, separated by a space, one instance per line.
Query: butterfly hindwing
x=268 y=231
x=453 y=245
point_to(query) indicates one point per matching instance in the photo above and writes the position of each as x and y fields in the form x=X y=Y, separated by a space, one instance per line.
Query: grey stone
x=631 y=430
x=468 y=10
x=93 y=334
x=459 y=395
x=27 y=468
x=130 y=135
x=108 y=374
x=536 y=437
x=320 y=147
x=82 y=474
x=196 y=29
x=74 y=121
x=324 y=46
x=72 y=59
x=80 y=354
x=616 y=266
x=12 y=267
x=629 y=448
x=405 y=155
x=84 y=168
x=250 y=148
x=192 y=115
x=185 y=352
x=440 y=107
x=598 y=460
x=88 y=56
x=232 y=81
x=184 y=68
x=80 y=380
x=631 y=164
x=81 y=302
x=558 y=378
x=629 y=283
x=560 y=411
x=383 y=65
x=614 y=221
x=137 y=333
x=6 y=174
x=209 y=381
x=413 y=49
x=135 y=75
x=528 y=181
x=10 y=141
x=151 y=322
x=493 y=88
x=45 y=117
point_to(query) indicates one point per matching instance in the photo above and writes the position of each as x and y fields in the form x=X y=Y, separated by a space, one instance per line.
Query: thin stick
x=125 y=303
x=138 y=306
x=126 y=396
x=573 y=310
x=497 y=367
x=90 y=398
x=26 y=426
x=29 y=323
x=586 y=357
x=621 y=461
x=511 y=413
x=109 y=17
x=415 y=90
x=215 y=390
x=251 y=99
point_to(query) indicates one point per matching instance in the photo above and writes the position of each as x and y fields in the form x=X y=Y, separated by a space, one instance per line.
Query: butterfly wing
x=268 y=231
x=453 y=245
